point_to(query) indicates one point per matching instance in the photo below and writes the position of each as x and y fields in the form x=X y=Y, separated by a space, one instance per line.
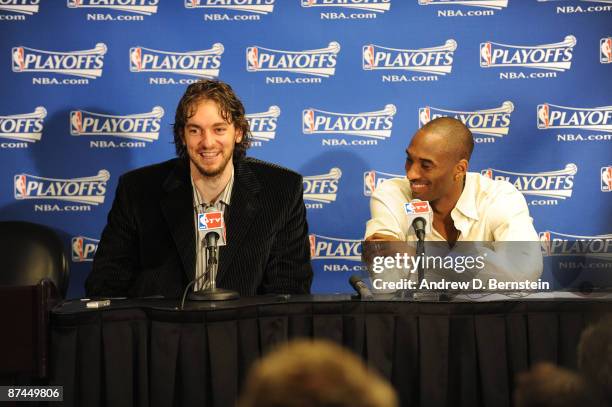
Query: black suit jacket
x=148 y=245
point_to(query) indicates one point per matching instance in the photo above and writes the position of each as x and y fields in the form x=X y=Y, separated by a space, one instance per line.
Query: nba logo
x=368 y=57
x=606 y=179
x=308 y=123
x=545 y=243
x=543 y=116
x=20 y=187
x=605 y=45
x=369 y=182
x=313 y=241
x=136 y=59
x=202 y=222
x=488 y=173
x=18 y=59
x=424 y=116
x=252 y=58
x=76 y=121
x=77 y=249
x=485 y=54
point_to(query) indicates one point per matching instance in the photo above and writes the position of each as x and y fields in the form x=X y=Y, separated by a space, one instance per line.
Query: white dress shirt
x=488 y=212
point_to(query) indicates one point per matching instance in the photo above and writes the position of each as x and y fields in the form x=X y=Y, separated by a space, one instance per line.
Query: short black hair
x=458 y=137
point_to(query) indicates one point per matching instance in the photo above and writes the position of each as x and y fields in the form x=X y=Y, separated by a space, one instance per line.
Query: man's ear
x=238 y=136
x=462 y=166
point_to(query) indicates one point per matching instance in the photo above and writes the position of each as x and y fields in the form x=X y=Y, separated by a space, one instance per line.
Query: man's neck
x=210 y=188
x=443 y=207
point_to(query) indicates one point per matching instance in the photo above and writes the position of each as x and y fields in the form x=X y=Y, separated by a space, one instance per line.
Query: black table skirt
x=435 y=354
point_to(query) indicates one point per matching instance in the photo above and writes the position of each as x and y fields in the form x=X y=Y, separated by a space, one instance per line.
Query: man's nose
x=208 y=139
x=412 y=172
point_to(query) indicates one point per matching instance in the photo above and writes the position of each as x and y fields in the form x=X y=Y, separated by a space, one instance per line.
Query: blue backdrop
x=334 y=89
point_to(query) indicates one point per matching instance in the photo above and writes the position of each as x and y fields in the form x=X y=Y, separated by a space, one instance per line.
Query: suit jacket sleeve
x=115 y=262
x=288 y=269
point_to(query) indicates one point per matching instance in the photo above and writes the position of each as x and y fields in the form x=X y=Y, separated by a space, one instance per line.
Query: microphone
x=213 y=227
x=420 y=217
x=361 y=288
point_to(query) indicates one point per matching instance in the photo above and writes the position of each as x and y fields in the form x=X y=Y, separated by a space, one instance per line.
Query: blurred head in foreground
x=547 y=385
x=306 y=373
x=595 y=356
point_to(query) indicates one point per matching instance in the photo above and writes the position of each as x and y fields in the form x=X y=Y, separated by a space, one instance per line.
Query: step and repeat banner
x=334 y=89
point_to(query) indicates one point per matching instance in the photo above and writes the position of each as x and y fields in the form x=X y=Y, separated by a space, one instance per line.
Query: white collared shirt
x=487 y=211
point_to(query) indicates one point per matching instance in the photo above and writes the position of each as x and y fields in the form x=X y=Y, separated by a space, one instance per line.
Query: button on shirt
x=199 y=207
x=487 y=211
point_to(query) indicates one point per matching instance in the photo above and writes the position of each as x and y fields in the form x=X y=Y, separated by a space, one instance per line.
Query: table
x=148 y=353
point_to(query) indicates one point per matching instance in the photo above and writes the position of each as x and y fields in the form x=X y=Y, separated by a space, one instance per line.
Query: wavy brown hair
x=230 y=108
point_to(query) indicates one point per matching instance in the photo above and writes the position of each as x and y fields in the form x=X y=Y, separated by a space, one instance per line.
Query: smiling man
x=151 y=244
x=467 y=207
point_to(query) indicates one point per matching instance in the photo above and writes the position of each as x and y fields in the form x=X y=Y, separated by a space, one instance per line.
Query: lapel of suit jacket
x=242 y=209
x=177 y=207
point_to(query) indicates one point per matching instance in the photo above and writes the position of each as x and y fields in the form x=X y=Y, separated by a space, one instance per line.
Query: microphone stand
x=213 y=293
x=419 y=295
x=420 y=252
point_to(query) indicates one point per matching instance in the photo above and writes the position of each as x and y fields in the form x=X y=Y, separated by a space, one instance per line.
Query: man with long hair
x=152 y=245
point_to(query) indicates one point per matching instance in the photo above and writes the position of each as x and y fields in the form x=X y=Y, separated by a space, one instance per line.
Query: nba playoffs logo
x=551 y=116
x=201 y=64
x=85 y=64
x=28 y=7
x=379 y=6
x=321 y=189
x=316 y=62
x=331 y=248
x=435 y=60
x=143 y=126
x=553 y=57
x=551 y=184
x=88 y=190
x=145 y=7
x=26 y=127
x=560 y=244
x=251 y=6
x=492 y=4
x=263 y=124
x=372 y=180
x=605 y=48
x=377 y=125
x=83 y=248
x=489 y=122
x=606 y=179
